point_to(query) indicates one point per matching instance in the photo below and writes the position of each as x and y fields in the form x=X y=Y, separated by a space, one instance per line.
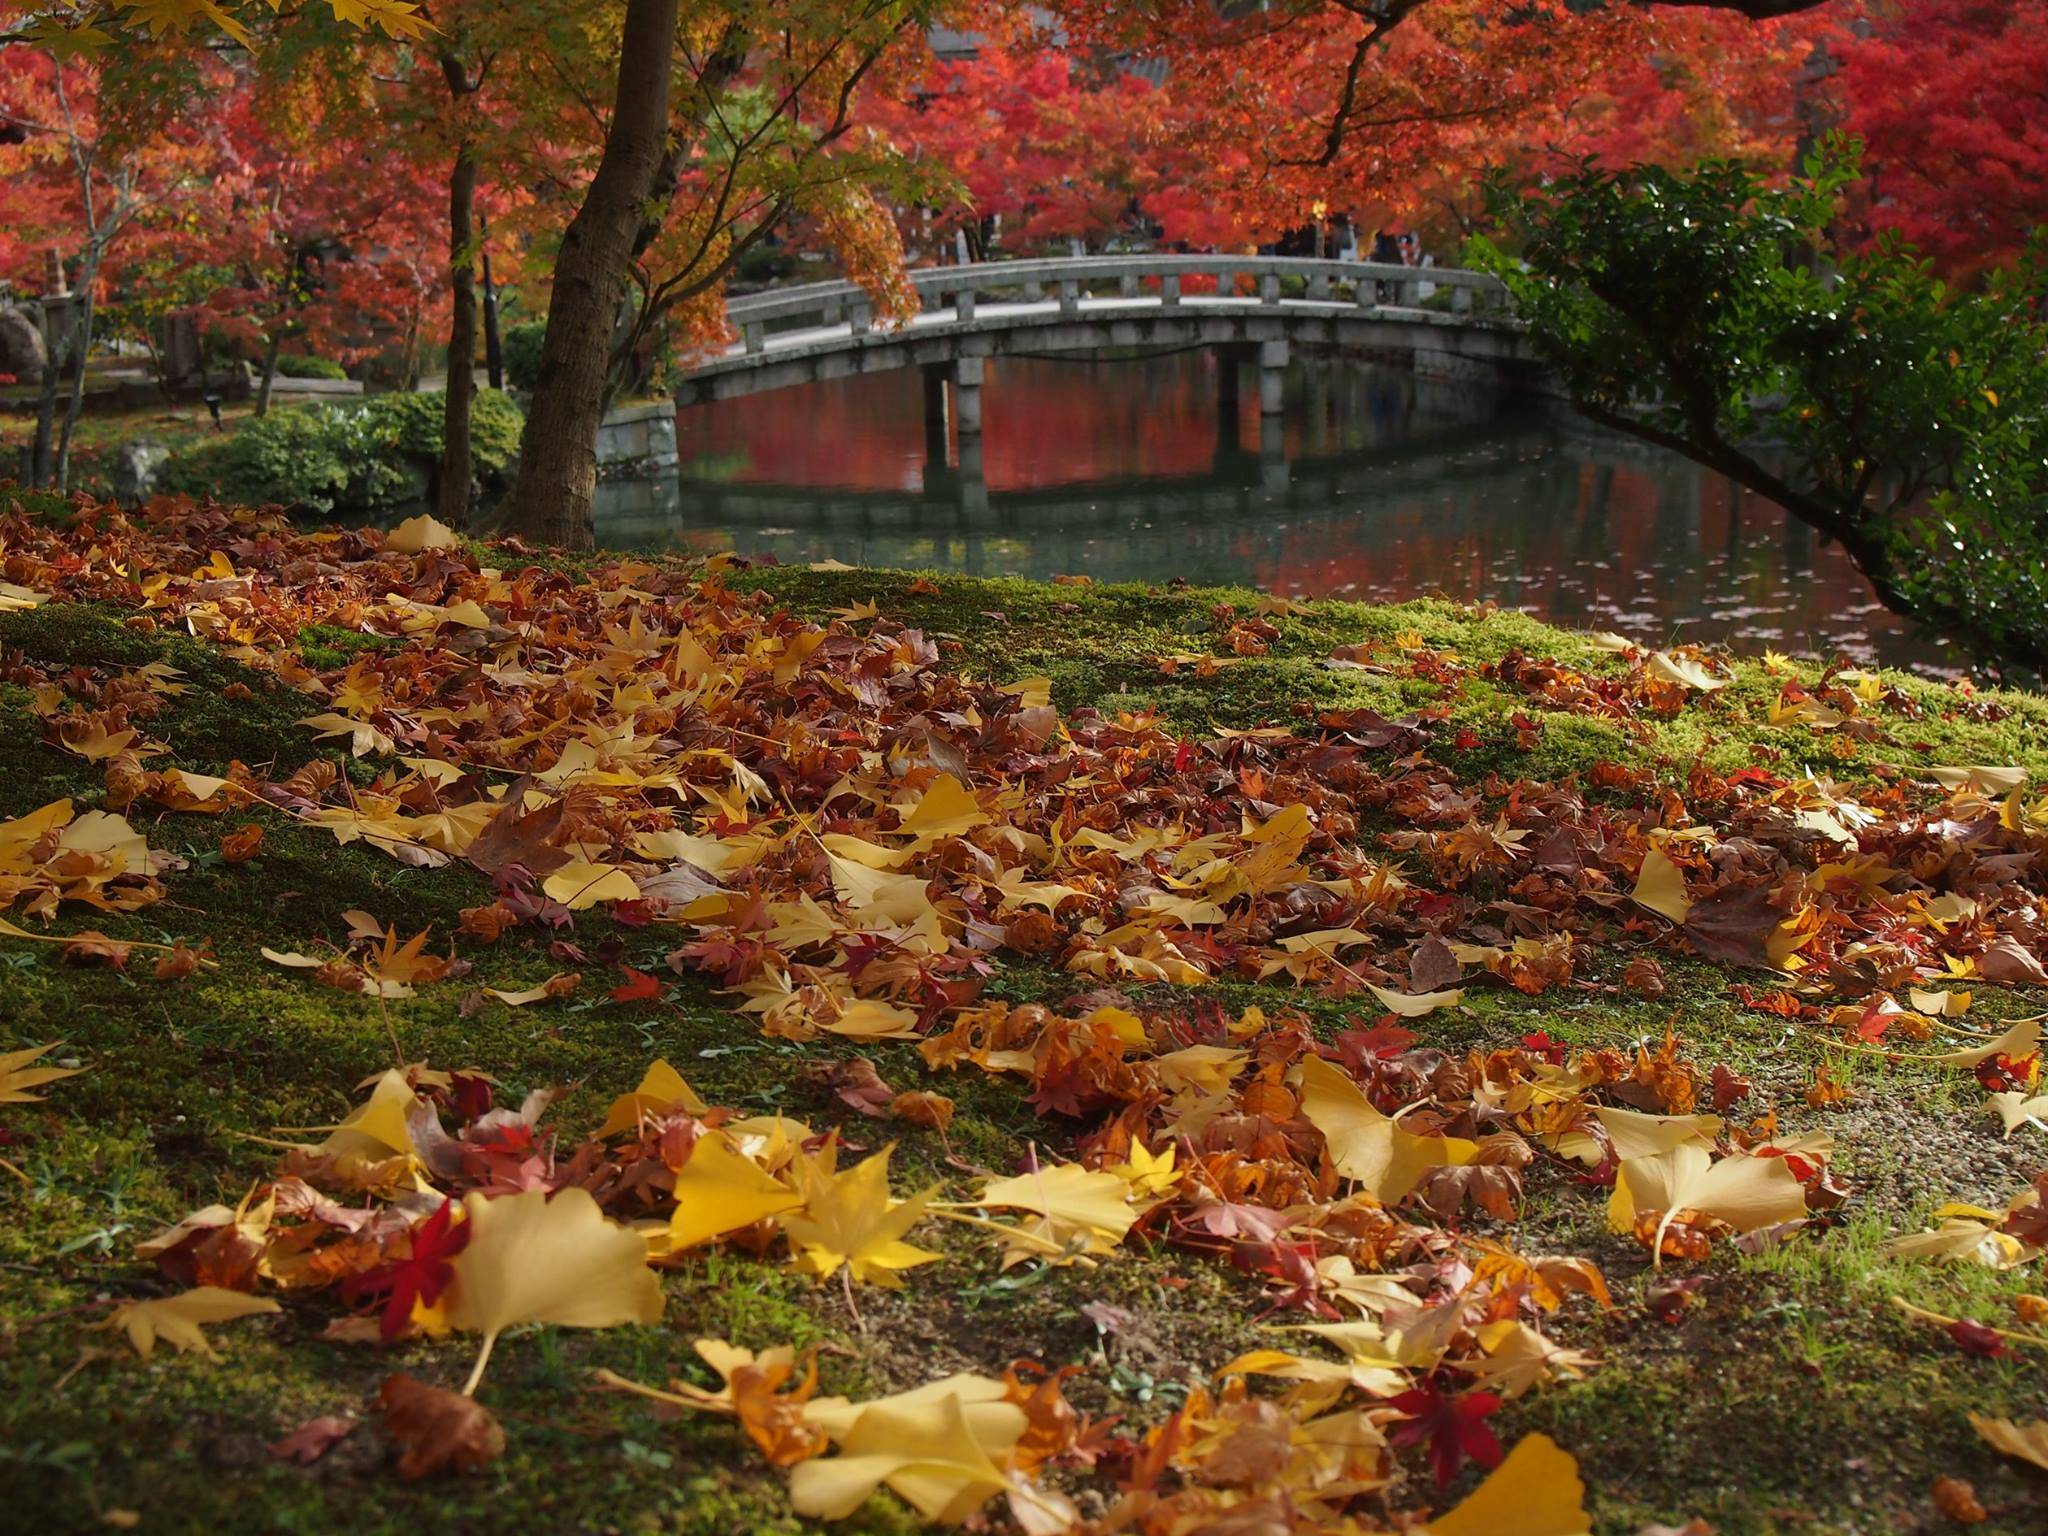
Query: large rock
x=21 y=346
x=136 y=468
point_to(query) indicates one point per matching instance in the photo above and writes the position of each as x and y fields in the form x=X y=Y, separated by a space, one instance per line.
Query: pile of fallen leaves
x=848 y=836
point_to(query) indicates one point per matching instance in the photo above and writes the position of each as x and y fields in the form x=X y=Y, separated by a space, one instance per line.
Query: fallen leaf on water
x=177 y=1320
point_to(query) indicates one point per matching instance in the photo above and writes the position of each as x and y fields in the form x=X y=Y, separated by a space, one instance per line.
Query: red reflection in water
x=1045 y=422
x=1391 y=489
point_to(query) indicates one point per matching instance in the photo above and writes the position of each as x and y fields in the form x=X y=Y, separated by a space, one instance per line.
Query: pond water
x=1374 y=485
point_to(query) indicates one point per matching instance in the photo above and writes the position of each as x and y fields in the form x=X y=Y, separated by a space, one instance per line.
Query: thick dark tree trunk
x=452 y=502
x=558 y=452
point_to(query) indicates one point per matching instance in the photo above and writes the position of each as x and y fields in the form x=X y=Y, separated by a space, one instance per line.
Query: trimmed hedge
x=368 y=456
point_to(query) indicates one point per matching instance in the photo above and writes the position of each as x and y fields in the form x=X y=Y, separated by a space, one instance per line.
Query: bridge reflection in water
x=1373 y=483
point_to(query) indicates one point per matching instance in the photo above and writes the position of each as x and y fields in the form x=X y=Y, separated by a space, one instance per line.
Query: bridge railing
x=1157 y=280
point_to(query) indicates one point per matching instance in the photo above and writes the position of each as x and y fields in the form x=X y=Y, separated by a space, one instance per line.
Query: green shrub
x=522 y=352
x=298 y=366
x=365 y=456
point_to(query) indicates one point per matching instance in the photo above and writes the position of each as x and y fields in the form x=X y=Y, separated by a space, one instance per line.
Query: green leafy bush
x=368 y=456
x=1711 y=312
x=522 y=352
x=298 y=366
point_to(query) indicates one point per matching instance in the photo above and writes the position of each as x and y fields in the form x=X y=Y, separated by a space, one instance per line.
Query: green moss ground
x=1792 y=1397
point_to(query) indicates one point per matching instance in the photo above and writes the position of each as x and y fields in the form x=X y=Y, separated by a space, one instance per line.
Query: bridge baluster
x=1127 y=285
x=1269 y=288
x=754 y=336
x=1070 y=296
x=1169 y=291
x=963 y=304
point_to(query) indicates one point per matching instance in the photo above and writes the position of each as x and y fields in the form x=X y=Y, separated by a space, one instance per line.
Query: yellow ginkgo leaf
x=947 y=810
x=849 y=1219
x=1988 y=780
x=927 y=1453
x=1741 y=1190
x=1365 y=1144
x=721 y=1190
x=421 y=532
x=177 y=1320
x=1536 y=1491
x=580 y=884
x=877 y=893
x=1684 y=671
x=16 y=1075
x=2027 y=1442
x=379 y=1128
x=662 y=1091
x=1413 y=1005
x=866 y=1018
x=1661 y=887
x=1078 y=1206
x=535 y=1259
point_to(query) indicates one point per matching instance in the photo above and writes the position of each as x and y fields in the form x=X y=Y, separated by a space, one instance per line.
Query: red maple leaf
x=1973 y=1338
x=421 y=1276
x=639 y=987
x=1455 y=1428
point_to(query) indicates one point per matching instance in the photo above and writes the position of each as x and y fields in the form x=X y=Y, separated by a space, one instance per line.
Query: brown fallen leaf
x=931 y=1110
x=242 y=844
x=438 y=1430
x=1958 y=1501
x=313 y=1439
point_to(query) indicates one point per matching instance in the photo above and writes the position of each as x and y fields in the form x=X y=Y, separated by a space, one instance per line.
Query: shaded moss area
x=1789 y=1394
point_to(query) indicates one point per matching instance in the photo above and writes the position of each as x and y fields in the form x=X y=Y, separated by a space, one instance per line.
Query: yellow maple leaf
x=16 y=1074
x=849 y=1219
x=721 y=1190
x=177 y=1320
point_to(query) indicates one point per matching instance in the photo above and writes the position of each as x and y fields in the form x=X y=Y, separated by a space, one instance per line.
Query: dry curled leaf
x=1958 y=1501
x=437 y=1430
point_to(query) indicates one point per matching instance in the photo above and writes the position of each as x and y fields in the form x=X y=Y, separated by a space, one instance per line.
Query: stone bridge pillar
x=967 y=373
x=1272 y=377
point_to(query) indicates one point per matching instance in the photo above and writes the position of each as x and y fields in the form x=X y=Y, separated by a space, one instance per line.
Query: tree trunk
x=88 y=279
x=558 y=451
x=263 y=387
x=452 y=501
x=39 y=463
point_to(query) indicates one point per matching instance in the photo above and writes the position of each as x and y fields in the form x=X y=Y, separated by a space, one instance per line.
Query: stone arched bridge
x=1260 y=307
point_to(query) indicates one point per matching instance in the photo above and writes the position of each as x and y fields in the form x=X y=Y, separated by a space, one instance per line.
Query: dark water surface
x=1374 y=485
